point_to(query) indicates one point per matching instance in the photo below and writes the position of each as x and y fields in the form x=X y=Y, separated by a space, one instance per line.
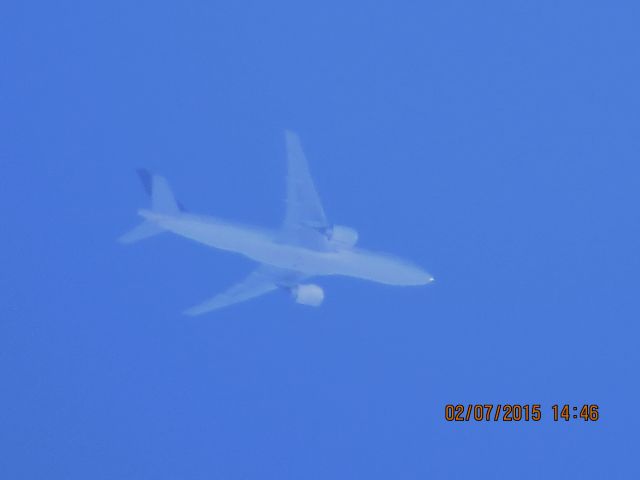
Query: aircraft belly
x=377 y=268
x=358 y=264
x=251 y=243
x=262 y=248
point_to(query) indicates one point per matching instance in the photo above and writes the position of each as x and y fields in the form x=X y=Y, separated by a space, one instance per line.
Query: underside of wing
x=263 y=280
x=304 y=208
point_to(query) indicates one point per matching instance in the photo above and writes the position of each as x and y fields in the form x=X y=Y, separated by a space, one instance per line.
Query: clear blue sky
x=494 y=143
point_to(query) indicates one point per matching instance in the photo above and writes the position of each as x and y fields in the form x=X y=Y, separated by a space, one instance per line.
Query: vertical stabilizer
x=162 y=201
x=157 y=187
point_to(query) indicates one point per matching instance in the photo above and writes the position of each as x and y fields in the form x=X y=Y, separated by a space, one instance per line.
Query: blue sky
x=494 y=143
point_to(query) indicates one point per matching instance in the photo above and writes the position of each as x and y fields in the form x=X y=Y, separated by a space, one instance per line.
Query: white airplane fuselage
x=264 y=247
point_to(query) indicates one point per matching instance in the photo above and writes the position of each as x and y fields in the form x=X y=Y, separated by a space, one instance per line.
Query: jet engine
x=308 y=294
x=344 y=236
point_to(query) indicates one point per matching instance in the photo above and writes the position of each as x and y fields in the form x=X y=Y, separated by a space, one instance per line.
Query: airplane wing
x=263 y=280
x=304 y=208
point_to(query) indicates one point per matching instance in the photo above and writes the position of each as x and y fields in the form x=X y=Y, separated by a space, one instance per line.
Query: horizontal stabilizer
x=142 y=231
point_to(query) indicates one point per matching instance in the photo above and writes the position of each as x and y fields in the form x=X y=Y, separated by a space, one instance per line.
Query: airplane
x=306 y=245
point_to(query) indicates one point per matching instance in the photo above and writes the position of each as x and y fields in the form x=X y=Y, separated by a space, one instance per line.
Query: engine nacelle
x=308 y=294
x=344 y=236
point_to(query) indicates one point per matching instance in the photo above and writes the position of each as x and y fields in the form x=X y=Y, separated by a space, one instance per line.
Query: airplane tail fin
x=162 y=201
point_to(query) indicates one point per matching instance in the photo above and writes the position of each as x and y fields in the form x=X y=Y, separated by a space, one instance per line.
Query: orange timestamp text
x=515 y=412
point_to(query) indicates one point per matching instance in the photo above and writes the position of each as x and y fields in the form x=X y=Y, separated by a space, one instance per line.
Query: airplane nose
x=423 y=278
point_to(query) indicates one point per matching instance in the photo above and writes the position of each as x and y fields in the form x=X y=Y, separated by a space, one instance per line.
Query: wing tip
x=291 y=136
x=201 y=309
